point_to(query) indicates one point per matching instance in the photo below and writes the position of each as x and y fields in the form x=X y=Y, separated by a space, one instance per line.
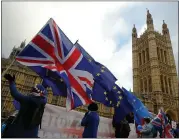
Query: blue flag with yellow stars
x=139 y=109
x=115 y=98
x=102 y=75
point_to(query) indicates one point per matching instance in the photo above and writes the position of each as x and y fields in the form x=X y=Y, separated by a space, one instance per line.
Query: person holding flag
x=162 y=125
x=146 y=131
x=27 y=122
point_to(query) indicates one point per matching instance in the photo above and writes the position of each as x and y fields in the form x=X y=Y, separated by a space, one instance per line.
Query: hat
x=139 y=127
x=93 y=107
x=39 y=90
x=147 y=119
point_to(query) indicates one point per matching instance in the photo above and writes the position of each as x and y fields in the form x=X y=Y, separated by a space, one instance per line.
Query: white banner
x=58 y=123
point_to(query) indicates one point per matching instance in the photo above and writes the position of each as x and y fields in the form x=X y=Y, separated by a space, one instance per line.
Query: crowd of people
x=28 y=120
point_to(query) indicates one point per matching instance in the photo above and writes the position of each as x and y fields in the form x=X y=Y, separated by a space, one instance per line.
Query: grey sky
x=99 y=26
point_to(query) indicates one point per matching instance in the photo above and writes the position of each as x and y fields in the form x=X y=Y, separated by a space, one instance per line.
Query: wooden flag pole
x=14 y=59
x=2 y=75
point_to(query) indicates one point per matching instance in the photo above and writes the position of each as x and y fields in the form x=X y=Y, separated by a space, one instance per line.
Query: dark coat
x=28 y=104
x=120 y=131
x=90 y=122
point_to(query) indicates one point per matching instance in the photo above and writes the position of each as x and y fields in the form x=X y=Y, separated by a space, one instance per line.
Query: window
x=140 y=59
x=141 y=85
x=161 y=53
x=155 y=109
x=170 y=85
x=166 y=87
x=161 y=79
x=145 y=84
x=54 y=100
x=150 y=84
x=143 y=53
x=147 y=51
x=165 y=55
x=158 y=54
x=106 y=109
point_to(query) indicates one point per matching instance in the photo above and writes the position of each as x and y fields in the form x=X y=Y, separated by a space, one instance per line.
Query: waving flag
x=161 y=124
x=55 y=82
x=51 y=49
x=102 y=75
x=140 y=111
x=115 y=98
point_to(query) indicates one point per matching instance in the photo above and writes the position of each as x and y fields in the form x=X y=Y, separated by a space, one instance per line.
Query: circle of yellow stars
x=119 y=98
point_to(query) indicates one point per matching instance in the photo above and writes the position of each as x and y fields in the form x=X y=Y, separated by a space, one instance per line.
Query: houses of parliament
x=155 y=79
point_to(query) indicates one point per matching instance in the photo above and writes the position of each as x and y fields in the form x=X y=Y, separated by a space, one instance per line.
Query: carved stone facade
x=155 y=79
x=25 y=80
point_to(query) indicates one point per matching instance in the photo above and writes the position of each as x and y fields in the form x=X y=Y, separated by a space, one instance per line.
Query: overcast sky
x=103 y=28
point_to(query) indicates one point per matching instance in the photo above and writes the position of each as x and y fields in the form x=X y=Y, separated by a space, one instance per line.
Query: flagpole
x=75 y=42
x=14 y=59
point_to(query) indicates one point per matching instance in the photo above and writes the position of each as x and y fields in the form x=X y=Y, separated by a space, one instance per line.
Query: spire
x=164 y=26
x=134 y=32
x=134 y=29
x=165 y=30
x=23 y=44
x=149 y=21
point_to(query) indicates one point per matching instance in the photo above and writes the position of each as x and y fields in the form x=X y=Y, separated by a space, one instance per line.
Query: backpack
x=154 y=132
x=125 y=126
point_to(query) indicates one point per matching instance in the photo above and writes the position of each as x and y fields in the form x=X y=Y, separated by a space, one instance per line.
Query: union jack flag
x=161 y=124
x=51 y=50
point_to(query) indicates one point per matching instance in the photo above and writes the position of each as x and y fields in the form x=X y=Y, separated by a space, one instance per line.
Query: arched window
x=166 y=87
x=161 y=80
x=161 y=53
x=147 y=51
x=143 y=58
x=170 y=85
x=141 y=85
x=150 y=84
x=158 y=54
x=140 y=59
x=165 y=55
x=145 y=84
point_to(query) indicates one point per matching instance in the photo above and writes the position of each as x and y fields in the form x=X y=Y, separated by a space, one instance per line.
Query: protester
x=90 y=122
x=176 y=131
x=27 y=122
x=122 y=128
x=147 y=129
x=130 y=117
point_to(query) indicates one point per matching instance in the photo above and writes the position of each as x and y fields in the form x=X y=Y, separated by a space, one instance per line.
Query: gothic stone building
x=155 y=79
x=25 y=80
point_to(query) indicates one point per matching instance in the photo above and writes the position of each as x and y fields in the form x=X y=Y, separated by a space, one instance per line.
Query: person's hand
x=9 y=77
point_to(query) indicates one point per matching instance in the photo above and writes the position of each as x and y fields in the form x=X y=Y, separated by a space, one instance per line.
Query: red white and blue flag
x=162 y=125
x=51 y=50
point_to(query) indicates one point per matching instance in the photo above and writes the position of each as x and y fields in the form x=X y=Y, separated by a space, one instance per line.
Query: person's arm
x=16 y=95
x=85 y=119
x=146 y=130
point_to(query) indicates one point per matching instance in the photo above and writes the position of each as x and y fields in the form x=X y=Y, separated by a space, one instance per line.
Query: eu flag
x=115 y=98
x=140 y=111
x=102 y=75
